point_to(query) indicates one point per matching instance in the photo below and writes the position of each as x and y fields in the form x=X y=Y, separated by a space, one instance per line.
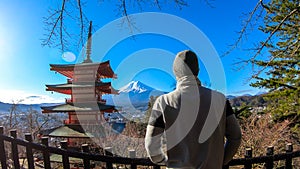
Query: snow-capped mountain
x=135 y=87
x=135 y=93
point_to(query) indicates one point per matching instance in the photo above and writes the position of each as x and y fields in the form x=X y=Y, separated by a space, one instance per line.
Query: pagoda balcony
x=80 y=100
x=69 y=100
x=85 y=100
x=66 y=122
x=80 y=88
x=102 y=101
x=71 y=121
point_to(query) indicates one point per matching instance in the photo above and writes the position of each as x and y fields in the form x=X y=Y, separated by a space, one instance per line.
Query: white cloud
x=9 y=96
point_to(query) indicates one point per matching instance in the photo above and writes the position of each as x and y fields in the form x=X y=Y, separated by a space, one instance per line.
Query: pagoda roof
x=79 y=107
x=67 y=87
x=68 y=132
x=104 y=69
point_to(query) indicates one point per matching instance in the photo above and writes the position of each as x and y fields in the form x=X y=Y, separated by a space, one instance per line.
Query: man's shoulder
x=175 y=94
x=211 y=91
x=172 y=98
x=172 y=95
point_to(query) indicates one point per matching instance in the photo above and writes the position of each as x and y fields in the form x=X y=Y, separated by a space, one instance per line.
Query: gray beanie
x=186 y=64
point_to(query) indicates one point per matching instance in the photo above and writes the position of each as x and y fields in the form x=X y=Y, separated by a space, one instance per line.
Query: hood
x=185 y=64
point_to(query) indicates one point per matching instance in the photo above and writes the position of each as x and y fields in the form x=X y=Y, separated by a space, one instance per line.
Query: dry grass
x=260 y=131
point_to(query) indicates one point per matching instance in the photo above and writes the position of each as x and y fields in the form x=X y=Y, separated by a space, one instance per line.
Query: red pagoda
x=85 y=105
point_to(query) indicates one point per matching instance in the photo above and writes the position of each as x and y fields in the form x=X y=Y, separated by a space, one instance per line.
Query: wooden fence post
x=2 y=150
x=46 y=155
x=288 y=160
x=14 y=149
x=29 y=154
x=270 y=153
x=248 y=155
x=65 y=157
x=108 y=152
x=225 y=167
x=132 y=154
x=156 y=167
x=86 y=162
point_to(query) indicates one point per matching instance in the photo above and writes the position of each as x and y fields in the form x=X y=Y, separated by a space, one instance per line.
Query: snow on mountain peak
x=136 y=87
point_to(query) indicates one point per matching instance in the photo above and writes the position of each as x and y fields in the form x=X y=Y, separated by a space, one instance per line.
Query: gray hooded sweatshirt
x=188 y=126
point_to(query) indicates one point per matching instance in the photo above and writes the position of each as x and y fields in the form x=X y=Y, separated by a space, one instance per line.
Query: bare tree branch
x=180 y=3
x=59 y=20
x=127 y=20
x=268 y=41
x=271 y=35
x=208 y=3
x=52 y=33
x=264 y=6
x=124 y=8
x=52 y=15
x=81 y=21
x=157 y=4
x=243 y=31
x=61 y=25
x=57 y=30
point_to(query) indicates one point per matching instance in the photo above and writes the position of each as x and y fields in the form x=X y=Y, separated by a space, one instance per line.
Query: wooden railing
x=88 y=158
x=269 y=159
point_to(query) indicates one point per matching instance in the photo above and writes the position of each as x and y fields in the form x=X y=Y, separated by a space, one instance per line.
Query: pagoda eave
x=77 y=111
x=62 y=91
x=79 y=107
x=68 y=132
x=89 y=88
x=103 y=69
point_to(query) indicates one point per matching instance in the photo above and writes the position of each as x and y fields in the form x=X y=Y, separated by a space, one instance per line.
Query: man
x=193 y=121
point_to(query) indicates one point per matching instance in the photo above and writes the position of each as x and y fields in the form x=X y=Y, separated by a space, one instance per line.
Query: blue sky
x=25 y=70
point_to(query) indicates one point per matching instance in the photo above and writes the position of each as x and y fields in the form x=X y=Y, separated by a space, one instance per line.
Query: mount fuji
x=135 y=93
x=135 y=87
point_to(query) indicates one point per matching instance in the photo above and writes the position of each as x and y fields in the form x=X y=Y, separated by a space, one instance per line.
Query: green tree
x=280 y=72
x=149 y=109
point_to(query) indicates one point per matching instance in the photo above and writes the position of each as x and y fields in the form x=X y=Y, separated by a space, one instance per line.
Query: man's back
x=194 y=120
x=183 y=127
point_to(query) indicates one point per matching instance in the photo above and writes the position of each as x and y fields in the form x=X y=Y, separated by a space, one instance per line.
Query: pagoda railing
x=102 y=101
x=10 y=156
x=71 y=121
x=69 y=100
x=81 y=121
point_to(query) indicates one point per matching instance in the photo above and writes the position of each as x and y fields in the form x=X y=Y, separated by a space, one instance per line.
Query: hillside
x=248 y=100
x=5 y=107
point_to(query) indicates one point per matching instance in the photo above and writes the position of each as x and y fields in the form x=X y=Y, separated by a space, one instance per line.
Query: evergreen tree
x=149 y=109
x=282 y=25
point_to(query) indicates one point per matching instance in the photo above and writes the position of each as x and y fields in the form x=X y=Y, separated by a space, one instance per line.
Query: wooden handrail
x=109 y=159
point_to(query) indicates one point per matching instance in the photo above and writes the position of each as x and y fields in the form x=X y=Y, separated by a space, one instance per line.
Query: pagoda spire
x=89 y=46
